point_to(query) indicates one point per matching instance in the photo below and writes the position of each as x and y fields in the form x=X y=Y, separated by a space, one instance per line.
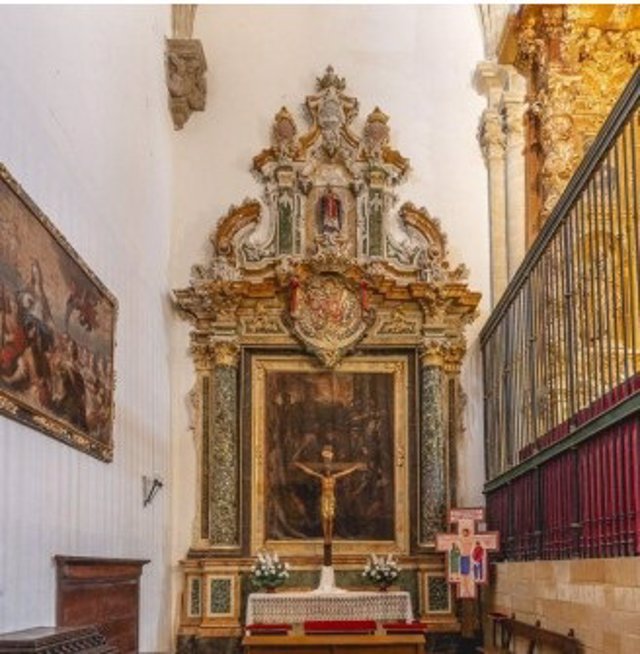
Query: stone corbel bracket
x=186 y=66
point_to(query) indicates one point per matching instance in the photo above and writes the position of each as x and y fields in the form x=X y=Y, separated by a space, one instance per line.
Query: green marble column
x=433 y=454
x=224 y=493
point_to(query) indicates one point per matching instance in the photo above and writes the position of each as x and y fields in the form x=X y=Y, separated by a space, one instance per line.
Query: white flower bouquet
x=268 y=571
x=381 y=570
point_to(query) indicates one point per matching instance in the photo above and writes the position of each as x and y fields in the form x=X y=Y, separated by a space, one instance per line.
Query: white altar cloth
x=295 y=608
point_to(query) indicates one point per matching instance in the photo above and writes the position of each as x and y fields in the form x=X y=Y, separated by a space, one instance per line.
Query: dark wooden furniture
x=335 y=644
x=55 y=640
x=101 y=592
x=535 y=638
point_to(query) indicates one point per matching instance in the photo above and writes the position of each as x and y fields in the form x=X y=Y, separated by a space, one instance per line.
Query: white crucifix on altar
x=467 y=551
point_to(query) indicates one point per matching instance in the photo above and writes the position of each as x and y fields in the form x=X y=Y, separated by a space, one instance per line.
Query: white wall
x=416 y=63
x=84 y=128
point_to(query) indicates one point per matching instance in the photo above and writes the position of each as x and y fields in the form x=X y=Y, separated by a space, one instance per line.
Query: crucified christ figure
x=328 y=472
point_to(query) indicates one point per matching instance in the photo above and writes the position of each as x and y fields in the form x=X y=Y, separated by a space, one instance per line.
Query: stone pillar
x=488 y=81
x=224 y=472
x=513 y=103
x=433 y=446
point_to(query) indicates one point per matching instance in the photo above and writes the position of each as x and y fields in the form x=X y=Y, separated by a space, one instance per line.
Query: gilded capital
x=454 y=352
x=226 y=353
x=432 y=353
x=446 y=353
x=202 y=351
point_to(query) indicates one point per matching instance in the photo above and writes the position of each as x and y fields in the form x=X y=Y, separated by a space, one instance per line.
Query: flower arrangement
x=381 y=570
x=268 y=571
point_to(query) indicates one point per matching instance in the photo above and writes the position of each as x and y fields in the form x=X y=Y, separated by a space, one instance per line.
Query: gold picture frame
x=336 y=390
x=57 y=330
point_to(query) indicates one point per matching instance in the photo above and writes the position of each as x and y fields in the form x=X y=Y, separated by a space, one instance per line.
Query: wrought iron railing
x=562 y=365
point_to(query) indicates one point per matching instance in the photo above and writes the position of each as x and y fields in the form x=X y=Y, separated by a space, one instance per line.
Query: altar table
x=298 y=607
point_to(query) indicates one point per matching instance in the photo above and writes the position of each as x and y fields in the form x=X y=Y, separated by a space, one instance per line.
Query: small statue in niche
x=330 y=213
x=285 y=223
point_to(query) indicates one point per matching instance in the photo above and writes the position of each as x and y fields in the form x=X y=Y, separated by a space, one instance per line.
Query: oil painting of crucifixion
x=351 y=412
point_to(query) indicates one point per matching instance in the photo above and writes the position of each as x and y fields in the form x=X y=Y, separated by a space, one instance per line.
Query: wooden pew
x=533 y=635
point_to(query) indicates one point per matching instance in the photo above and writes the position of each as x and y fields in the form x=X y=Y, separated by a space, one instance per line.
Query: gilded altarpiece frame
x=374 y=428
x=338 y=303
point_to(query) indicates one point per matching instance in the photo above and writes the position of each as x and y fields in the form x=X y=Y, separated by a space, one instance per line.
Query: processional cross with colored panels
x=467 y=551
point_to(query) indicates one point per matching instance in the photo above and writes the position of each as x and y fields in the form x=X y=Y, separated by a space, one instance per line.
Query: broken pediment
x=325 y=255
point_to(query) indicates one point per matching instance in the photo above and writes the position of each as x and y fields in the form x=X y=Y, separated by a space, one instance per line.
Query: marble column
x=223 y=452
x=433 y=449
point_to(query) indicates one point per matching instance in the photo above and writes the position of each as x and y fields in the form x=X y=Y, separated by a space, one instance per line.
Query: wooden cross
x=467 y=551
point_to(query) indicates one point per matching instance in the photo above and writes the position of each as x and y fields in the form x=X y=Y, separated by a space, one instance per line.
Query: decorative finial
x=330 y=79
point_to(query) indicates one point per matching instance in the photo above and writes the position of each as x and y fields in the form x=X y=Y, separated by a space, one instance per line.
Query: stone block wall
x=598 y=598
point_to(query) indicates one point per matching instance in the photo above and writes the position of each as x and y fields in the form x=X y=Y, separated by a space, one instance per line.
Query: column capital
x=491 y=134
x=488 y=80
x=514 y=108
x=208 y=351
x=446 y=353
x=226 y=353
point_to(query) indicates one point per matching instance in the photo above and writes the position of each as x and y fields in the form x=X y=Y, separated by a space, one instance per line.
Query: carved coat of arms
x=329 y=314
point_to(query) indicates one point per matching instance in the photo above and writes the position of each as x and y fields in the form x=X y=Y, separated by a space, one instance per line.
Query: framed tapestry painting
x=359 y=408
x=57 y=323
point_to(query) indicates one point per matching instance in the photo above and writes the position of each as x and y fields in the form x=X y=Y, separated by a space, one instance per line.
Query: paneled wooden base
x=342 y=644
x=101 y=592
x=53 y=640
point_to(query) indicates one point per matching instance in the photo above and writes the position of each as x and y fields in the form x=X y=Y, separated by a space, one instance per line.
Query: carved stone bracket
x=185 y=67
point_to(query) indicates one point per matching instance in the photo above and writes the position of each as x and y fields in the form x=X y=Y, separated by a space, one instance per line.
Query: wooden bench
x=534 y=636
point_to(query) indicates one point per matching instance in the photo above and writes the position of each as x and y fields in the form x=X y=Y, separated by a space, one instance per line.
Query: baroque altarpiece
x=327 y=315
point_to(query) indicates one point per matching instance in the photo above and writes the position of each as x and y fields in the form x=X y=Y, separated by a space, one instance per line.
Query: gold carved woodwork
x=237 y=219
x=226 y=353
x=320 y=272
x=329 y=315
x=324 y=272
x=397 y=367
x=446 y=353
x=577 y=59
